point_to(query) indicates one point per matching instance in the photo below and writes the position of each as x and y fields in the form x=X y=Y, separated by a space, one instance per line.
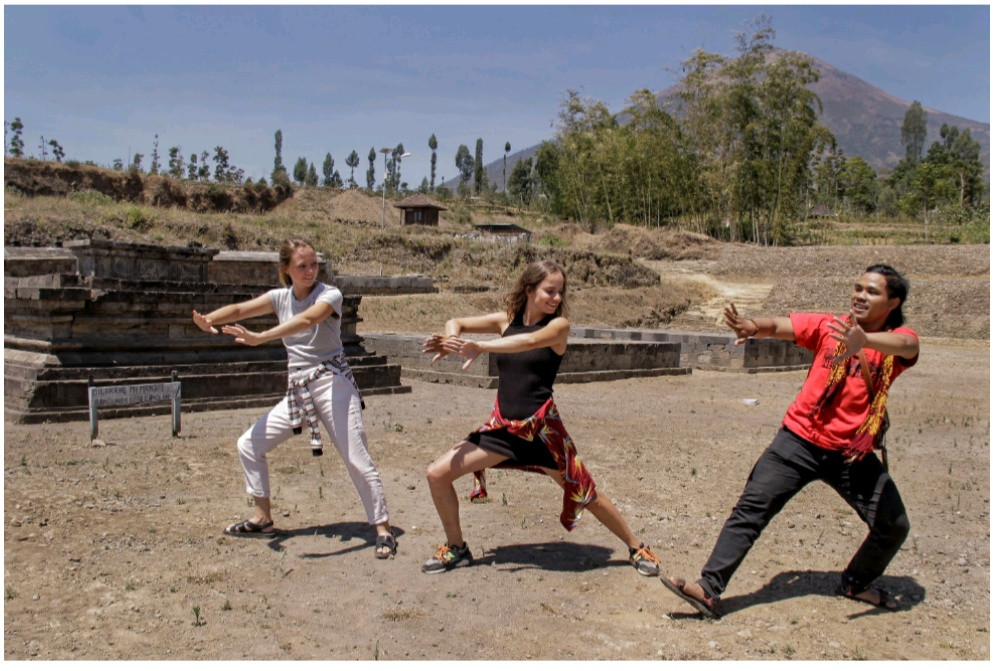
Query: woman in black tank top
x=524 y=430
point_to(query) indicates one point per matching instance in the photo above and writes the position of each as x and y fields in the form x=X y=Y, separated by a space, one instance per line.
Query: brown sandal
x=880 y=598
x=709 y=606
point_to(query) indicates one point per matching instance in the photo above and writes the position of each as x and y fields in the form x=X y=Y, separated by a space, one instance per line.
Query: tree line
x=739 y=155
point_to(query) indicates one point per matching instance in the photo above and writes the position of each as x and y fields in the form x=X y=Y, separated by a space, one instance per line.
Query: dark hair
x=530 y=278
x=287 y=250
x=898 y=287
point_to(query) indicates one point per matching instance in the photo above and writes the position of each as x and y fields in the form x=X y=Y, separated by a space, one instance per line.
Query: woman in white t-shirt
x=320 y=387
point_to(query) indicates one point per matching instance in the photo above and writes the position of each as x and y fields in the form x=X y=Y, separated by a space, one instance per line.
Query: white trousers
x=337 y=405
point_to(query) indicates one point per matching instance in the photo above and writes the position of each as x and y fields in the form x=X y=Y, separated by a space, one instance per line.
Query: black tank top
x=525 y=379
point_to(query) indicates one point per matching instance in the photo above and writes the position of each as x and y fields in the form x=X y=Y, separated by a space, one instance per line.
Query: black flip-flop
x=385 y=541
x=707 y=606
x=249 y=529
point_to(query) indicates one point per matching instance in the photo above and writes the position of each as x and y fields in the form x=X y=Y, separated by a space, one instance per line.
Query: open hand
x=204 y=323
x=850 y=334
x=433 y=345
x=742 y=327
x=243 y=336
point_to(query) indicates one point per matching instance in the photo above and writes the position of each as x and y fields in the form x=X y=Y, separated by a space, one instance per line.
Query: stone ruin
x=120 y=313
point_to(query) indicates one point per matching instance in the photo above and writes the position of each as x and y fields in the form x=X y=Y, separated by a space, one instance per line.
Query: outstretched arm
x=303 y=321
x=496 y=322
x=757 y=327
x=553 y=335
x=254 y=307
x=902 y=345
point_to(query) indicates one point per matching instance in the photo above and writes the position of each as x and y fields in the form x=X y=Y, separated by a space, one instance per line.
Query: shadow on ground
x=794 y=584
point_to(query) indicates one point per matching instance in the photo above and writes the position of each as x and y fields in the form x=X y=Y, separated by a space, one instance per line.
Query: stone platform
x=712 y=351
x=121 y=314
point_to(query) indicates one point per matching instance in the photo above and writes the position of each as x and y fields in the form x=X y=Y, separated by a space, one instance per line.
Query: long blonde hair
x=287 y=249
x=530 y=278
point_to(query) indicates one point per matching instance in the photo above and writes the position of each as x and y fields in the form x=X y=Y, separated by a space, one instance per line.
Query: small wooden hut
x=420 y=209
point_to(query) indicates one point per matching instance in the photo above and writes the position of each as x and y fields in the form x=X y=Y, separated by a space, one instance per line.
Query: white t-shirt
x=320 y=342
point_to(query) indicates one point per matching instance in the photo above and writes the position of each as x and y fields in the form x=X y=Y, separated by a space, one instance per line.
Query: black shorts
x=519 y=452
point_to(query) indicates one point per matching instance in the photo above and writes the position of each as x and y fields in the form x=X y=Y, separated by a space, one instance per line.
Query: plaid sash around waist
x=546 y=425
x=297 y=385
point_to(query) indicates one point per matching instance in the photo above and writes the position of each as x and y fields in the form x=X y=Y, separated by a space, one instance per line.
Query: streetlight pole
x=383 y=206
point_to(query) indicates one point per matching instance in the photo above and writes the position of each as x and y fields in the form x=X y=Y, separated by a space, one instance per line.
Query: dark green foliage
x=464 y=164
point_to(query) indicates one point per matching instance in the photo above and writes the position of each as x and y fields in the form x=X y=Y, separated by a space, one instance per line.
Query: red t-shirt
x=839 y=420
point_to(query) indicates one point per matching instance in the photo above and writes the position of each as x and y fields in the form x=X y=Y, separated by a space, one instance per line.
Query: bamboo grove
x=730 y=156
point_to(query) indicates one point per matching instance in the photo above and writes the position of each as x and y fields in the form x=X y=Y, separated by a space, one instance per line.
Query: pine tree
x=478 y=167
x=327 y=170
x=371 y=172
x=433 y=144
x=154 y=170
x=352 y=160
x=279 y=174
x=16 y=142
x=504 y=171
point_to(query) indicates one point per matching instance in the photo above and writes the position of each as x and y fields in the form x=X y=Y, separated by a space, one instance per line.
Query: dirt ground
x=113 y=548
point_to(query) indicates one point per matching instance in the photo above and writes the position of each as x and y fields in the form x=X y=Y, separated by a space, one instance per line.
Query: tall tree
x=192 y=171
x=311 y=179
x=57 y=151
x=175 y=162
x=43 y=149
x=914 y=132
x=522 y=184
x=371 y=172
x=464 y=164
x=859 y=185
x=136 y=162
x=154 y=168
x=352 y=160
x=300 y=171
x=328 y=169
x=504 y=170
x=204 y=171
x=479 y=178
x=16 y=141
x=221 y=168
x=279 y=174
x=433 y=144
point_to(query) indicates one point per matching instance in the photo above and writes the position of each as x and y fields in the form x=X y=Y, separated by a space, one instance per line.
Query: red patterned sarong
x=546 y=424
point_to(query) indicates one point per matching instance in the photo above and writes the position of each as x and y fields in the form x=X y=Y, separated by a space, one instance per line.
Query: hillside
x=865 y=120
x=626 y=276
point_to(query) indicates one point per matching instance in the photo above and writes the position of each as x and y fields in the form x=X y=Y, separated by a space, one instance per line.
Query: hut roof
x=503 y=229
x=821 y=210
x=419 y=200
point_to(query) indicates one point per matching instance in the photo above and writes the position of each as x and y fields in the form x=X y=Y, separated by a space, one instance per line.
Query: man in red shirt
x=828 y=434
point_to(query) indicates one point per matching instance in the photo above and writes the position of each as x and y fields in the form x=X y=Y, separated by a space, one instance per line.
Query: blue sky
x=104 y=80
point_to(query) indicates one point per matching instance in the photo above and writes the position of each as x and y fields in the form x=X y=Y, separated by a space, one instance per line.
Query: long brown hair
x=530 y=278
x=287 y=249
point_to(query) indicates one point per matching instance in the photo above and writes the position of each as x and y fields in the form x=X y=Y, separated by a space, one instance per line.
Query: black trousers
x=788 y=464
